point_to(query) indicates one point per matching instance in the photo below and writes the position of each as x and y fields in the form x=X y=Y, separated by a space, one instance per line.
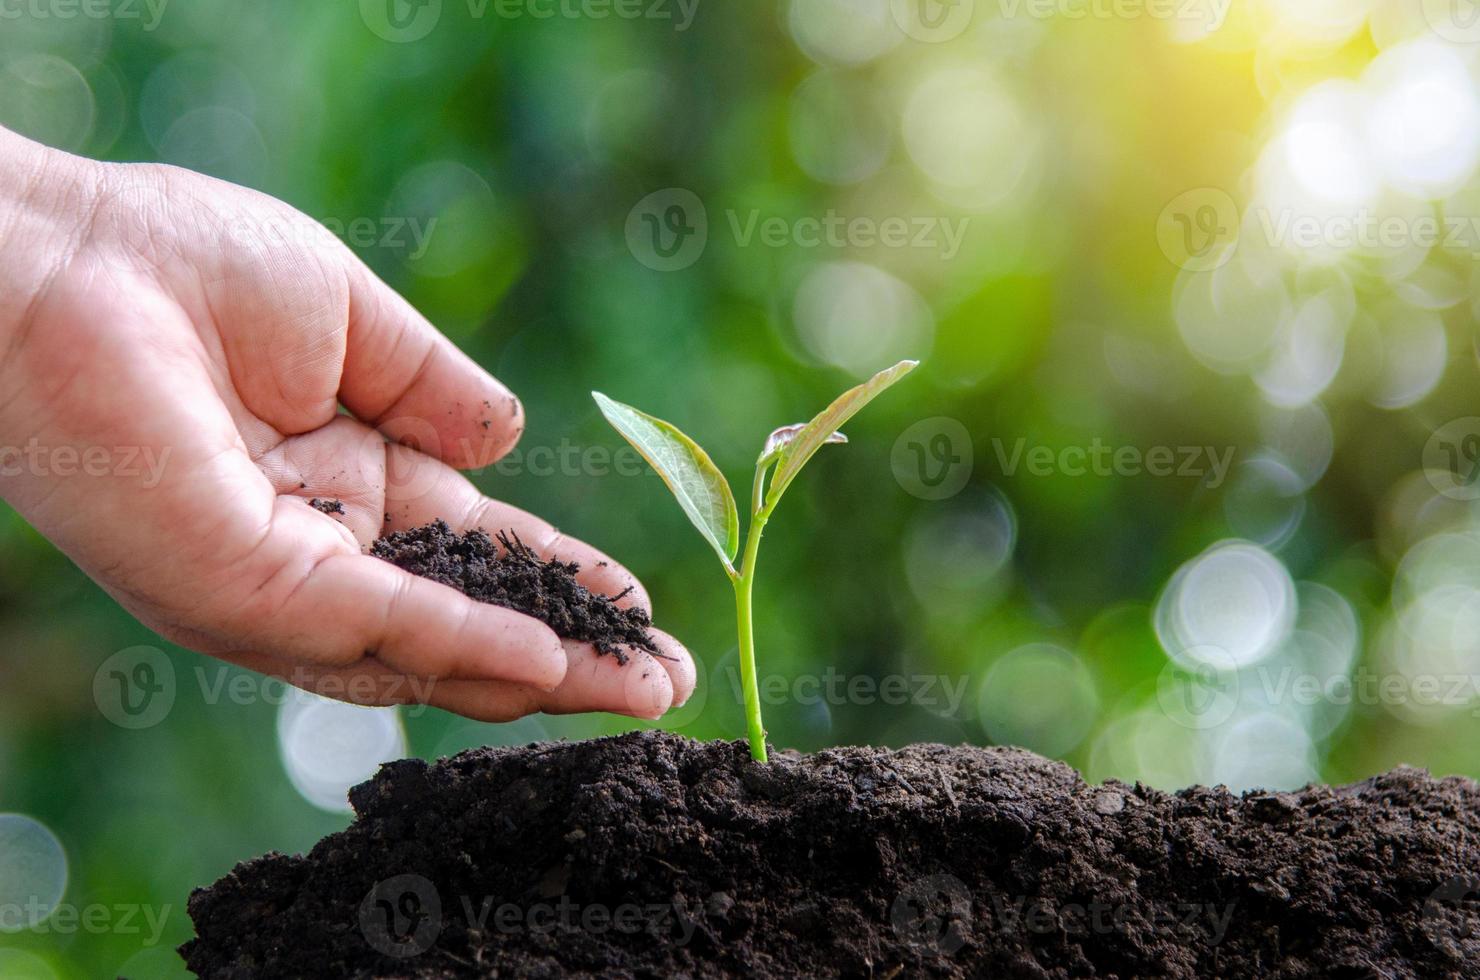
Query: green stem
x=745 y=621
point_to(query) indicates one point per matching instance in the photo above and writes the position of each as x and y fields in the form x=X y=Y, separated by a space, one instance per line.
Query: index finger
x=406 y=379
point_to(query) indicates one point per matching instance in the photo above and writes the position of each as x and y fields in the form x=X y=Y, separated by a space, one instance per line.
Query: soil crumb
x=327 y=506
x=511 y=574
x=651 y=855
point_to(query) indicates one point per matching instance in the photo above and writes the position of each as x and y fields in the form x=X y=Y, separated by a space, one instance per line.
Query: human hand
x=173 y=354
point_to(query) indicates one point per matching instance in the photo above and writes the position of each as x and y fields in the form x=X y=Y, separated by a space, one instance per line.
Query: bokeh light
x=33 y=872
x=1039 y=696
x=1235 y=598
x=329 y=746
x=852 y=315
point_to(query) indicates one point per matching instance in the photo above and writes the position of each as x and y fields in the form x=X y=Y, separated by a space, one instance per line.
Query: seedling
x=705 y=496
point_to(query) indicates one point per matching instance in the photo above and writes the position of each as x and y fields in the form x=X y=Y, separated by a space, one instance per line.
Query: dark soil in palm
x=515 y=577
x=651 y=855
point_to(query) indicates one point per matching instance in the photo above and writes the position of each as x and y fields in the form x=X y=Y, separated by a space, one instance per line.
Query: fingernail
x=647 y=689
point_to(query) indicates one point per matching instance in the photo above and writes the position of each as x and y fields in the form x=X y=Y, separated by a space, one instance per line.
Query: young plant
x=705 y=496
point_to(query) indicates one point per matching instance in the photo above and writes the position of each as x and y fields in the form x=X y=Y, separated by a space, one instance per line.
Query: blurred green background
x=1237 y=236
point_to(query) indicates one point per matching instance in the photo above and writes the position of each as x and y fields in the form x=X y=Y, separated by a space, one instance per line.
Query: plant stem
x=745 y=622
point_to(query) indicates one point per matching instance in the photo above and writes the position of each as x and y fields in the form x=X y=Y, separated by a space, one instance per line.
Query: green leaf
x=785 y=436
x=700 y=488
x=815 y=434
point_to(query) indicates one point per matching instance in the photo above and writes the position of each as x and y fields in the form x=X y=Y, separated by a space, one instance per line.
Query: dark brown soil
x=327 y=506
x=516 y=577
x=650 y=855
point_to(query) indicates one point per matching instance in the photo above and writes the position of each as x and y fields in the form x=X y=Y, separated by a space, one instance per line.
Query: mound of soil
x=516 y=577
x=651 y=855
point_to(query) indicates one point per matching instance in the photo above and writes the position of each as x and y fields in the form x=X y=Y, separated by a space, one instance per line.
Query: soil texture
x=652 y=855
x=511 y=574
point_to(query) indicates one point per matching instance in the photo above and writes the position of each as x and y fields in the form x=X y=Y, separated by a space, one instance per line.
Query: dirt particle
x=719 y=904
x=327 y=506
